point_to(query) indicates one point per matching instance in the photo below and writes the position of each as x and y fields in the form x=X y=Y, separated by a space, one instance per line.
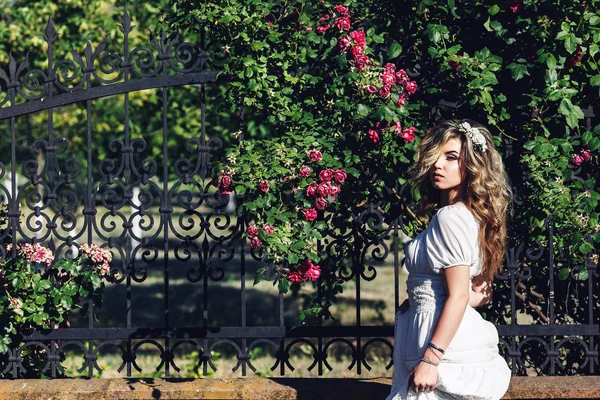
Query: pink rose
x=304 y=266
x=408 y=134
x=359 y=37
x=371 y=89
x=401 y=101
x=310 y=214
x=343 y=23
x=311 y=190
x=324 y=18
x=384 y=91
x=226 y=180
x=373 y=136
x=268 y=229
x=314 y=155
x=314 y=273
x=361 y=61
x=577 y=159
x=389 y=68
x=255 y=243
x=322 y=28
x=334 y=190
x=388 y=79
x=321 y=203
x=357 y=50
x=323 y=189
x=586 y=154
x=397 y=127
x=252 y=231
x=326 y=175
x=295 y=277
x=401 y=77
x=340 y=175
x=304 y=171
x=264 y=185
x=515 y=5
x=341 y=9
x=344 y=43
x=411 y=87
x=454 y=64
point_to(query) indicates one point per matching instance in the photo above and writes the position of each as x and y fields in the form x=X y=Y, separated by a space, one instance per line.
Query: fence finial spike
x=50 y=32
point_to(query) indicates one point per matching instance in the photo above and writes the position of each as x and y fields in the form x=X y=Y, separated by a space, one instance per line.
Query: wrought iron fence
x=166 y=225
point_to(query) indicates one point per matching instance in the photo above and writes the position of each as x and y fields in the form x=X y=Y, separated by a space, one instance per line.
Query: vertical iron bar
x=166 y=212
x=551 y=292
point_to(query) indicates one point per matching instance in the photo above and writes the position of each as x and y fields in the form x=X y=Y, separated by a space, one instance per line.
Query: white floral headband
x=475 y=135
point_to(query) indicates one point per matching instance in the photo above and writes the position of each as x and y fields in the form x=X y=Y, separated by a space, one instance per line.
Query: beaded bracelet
x=423 y=359
x=436 y=347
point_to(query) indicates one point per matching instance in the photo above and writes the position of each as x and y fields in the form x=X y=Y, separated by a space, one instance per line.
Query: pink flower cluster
x=340 y=18
x=328 y=187
x=391 y=79
x=306 y=271
x=224 y=184
x=583 y=156
x=34 y=253
x=252 y=232
x=375 y=133
x=99 y=256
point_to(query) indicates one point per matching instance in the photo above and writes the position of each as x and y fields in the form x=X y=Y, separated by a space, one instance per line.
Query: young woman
x=444 y=348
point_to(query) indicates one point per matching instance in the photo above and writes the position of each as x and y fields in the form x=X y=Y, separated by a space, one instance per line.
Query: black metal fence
x=165 y=225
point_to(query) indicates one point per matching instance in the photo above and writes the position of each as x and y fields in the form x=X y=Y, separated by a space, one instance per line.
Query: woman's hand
x=481 y=291
x=425 y=377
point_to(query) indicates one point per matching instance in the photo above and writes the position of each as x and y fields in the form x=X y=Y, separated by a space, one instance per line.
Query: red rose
x=304 y=171
x=252 y=231
x=371 y=89
x=384 y=91
x=311 y=190
x=389 y=68
x=324 y=18
x=323 y=189
x=264 y=185
x=326 y=175
x=361 y=61
x=454 y=64
x=341 y=9
x=411 y=87
x=397 y=127
x=295 y=277
x=321 y=203
x=226 y=180
x=268 y=229
x=408 y=134
x=340 y=175
x=304 y=266
x=344 y=43
x=343 y=23
x=314 y=273
x=586 y=154
x=388 y=79
x=310 y=214
x=255 y=243
x=357 y=50
x=359 y=37
x=322 y=28
x=400 y=101
x=314 y=155
x=577 y=159
x=515 y=5
x=373 y=136
x=401 y=77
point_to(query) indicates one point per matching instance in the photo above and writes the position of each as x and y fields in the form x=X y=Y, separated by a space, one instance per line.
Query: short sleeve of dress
x=453 y=238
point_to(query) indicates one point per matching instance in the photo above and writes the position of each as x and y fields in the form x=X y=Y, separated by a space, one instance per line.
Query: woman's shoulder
x=453 y=215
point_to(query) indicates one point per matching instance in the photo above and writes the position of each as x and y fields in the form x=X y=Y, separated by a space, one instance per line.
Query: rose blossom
x=357 y=50
x=295 y=277
x=255 y=243
x=577 y=159
x=326 y=175
x=515 y=5
x=586 y=154
x=311 y=190
x=264 y=185
x=314 y=273
x=373 y=136
x=324 y=18
x=361 y=61
x=344 y=43
x=252 y=231
x=401 y=101
x=340 y=175
x=314 y=155
x=408 y=134
x=304 y=171
x=388 y=79
x=321 y=203
x=389 y=68
x=397 y=127
x=359 y=37
x=343 y=23
x=384 y=91
x=341 y=9
x=411 y=87
x=371 y=89
x=401 y=77
x=304 y=266
x=226 y=180
x=322 y=28
x=268 y=229
x=323 y=189
x=334 y=190
x=310 y=214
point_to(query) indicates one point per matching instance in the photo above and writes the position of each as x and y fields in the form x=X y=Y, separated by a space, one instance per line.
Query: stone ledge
x=574 y=387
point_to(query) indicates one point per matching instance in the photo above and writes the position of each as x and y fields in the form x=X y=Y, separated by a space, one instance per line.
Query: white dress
x=471 y=368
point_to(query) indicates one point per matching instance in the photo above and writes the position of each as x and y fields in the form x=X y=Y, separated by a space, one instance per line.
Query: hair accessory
x=436 y=347
x=423 y=359
x=473 y=133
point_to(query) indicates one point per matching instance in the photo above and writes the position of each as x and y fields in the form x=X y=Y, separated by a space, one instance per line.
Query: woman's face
x=447 y=174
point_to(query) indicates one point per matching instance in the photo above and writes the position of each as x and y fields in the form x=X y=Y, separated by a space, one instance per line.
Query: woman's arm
x=481 y=292
x=457 y=280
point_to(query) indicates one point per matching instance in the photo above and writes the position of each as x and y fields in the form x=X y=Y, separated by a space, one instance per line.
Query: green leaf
x=571 y=43
x=563 y=274
x=493 y=10
x=395 y=50
x=293 y=258
x=452 y=7
x=40 y=300
x=571 y=112
x=551 y=62
x=259 y=275
x=593 y=50
x=595 y=80
x=363 y=110
x=518 y=71
x=283 y=285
